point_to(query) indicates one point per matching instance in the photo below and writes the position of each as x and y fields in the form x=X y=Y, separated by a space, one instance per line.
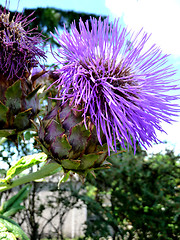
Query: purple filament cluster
x=19 y=48
x=117 y=81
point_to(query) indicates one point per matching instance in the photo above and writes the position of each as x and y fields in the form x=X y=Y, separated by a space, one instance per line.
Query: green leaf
x=3 y=112
x=22 y=121
x=46 y=170
x=23 y=164
x=31 y=99
x=88 y=161
x=2 y=227
x=28 y=135
x=64 y=178
x=13 y=211
x=2 y=140
x=70 y=164
x=12 y=228
x=33 y=93
x=58 y=169
x=13 y=95
x=102 y=155
x=12 y=205
x=7 y=236
x=104 y=165
x=7 y=132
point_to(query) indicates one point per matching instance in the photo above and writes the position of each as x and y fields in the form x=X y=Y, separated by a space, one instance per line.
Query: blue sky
x=159 y=17
x=92 y=6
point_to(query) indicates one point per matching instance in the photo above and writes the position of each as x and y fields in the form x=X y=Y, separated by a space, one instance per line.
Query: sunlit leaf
x=23 y=164
x=11 y=230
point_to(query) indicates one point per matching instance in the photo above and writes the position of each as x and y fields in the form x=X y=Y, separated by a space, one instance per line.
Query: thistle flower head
x=19 y=54
x=19 y=50
x=119 y=84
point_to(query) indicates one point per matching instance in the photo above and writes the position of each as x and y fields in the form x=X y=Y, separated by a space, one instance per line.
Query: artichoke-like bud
x=19 y=55
x=66 y=139
x=17 y=108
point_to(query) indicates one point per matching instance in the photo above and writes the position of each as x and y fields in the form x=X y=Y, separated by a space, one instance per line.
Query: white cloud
x=172 y=138
x=159 y=17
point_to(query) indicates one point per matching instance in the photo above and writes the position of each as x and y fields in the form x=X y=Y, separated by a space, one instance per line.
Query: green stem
x=45 y=171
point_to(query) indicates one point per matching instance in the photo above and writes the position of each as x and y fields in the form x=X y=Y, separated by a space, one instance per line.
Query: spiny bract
x=65 y=139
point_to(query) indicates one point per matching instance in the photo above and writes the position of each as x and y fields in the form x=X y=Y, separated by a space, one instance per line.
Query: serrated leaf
x=104 y=165
x=13 y=97
x=3 y=112
x=23 y=164
x=13 y=228
x=101 y=157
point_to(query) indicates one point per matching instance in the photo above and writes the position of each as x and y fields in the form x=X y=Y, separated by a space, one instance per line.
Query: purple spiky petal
x=123 y=86
x=20 y=47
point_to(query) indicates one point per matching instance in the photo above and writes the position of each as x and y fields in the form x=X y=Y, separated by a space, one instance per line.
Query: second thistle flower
x=20 y=52
x=119 y=83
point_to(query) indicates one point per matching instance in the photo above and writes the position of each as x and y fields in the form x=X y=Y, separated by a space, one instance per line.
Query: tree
x=138 y=197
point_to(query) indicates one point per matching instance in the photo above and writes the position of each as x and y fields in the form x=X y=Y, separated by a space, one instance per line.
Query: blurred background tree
x=137 y=198
x=47 y=19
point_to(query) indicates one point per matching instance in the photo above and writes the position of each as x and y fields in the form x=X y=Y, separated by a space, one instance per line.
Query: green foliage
x=12 y=205
x=9 y=229
x=47 y=19
x=136 y=197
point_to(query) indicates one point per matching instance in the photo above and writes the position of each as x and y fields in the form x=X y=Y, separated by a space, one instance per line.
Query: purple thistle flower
x=19 y=48
x=119 y=84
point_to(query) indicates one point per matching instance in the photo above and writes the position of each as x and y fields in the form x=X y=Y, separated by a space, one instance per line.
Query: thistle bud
x=65 y=139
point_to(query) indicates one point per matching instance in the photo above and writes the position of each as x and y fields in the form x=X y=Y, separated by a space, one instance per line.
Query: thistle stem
x=45 y=171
